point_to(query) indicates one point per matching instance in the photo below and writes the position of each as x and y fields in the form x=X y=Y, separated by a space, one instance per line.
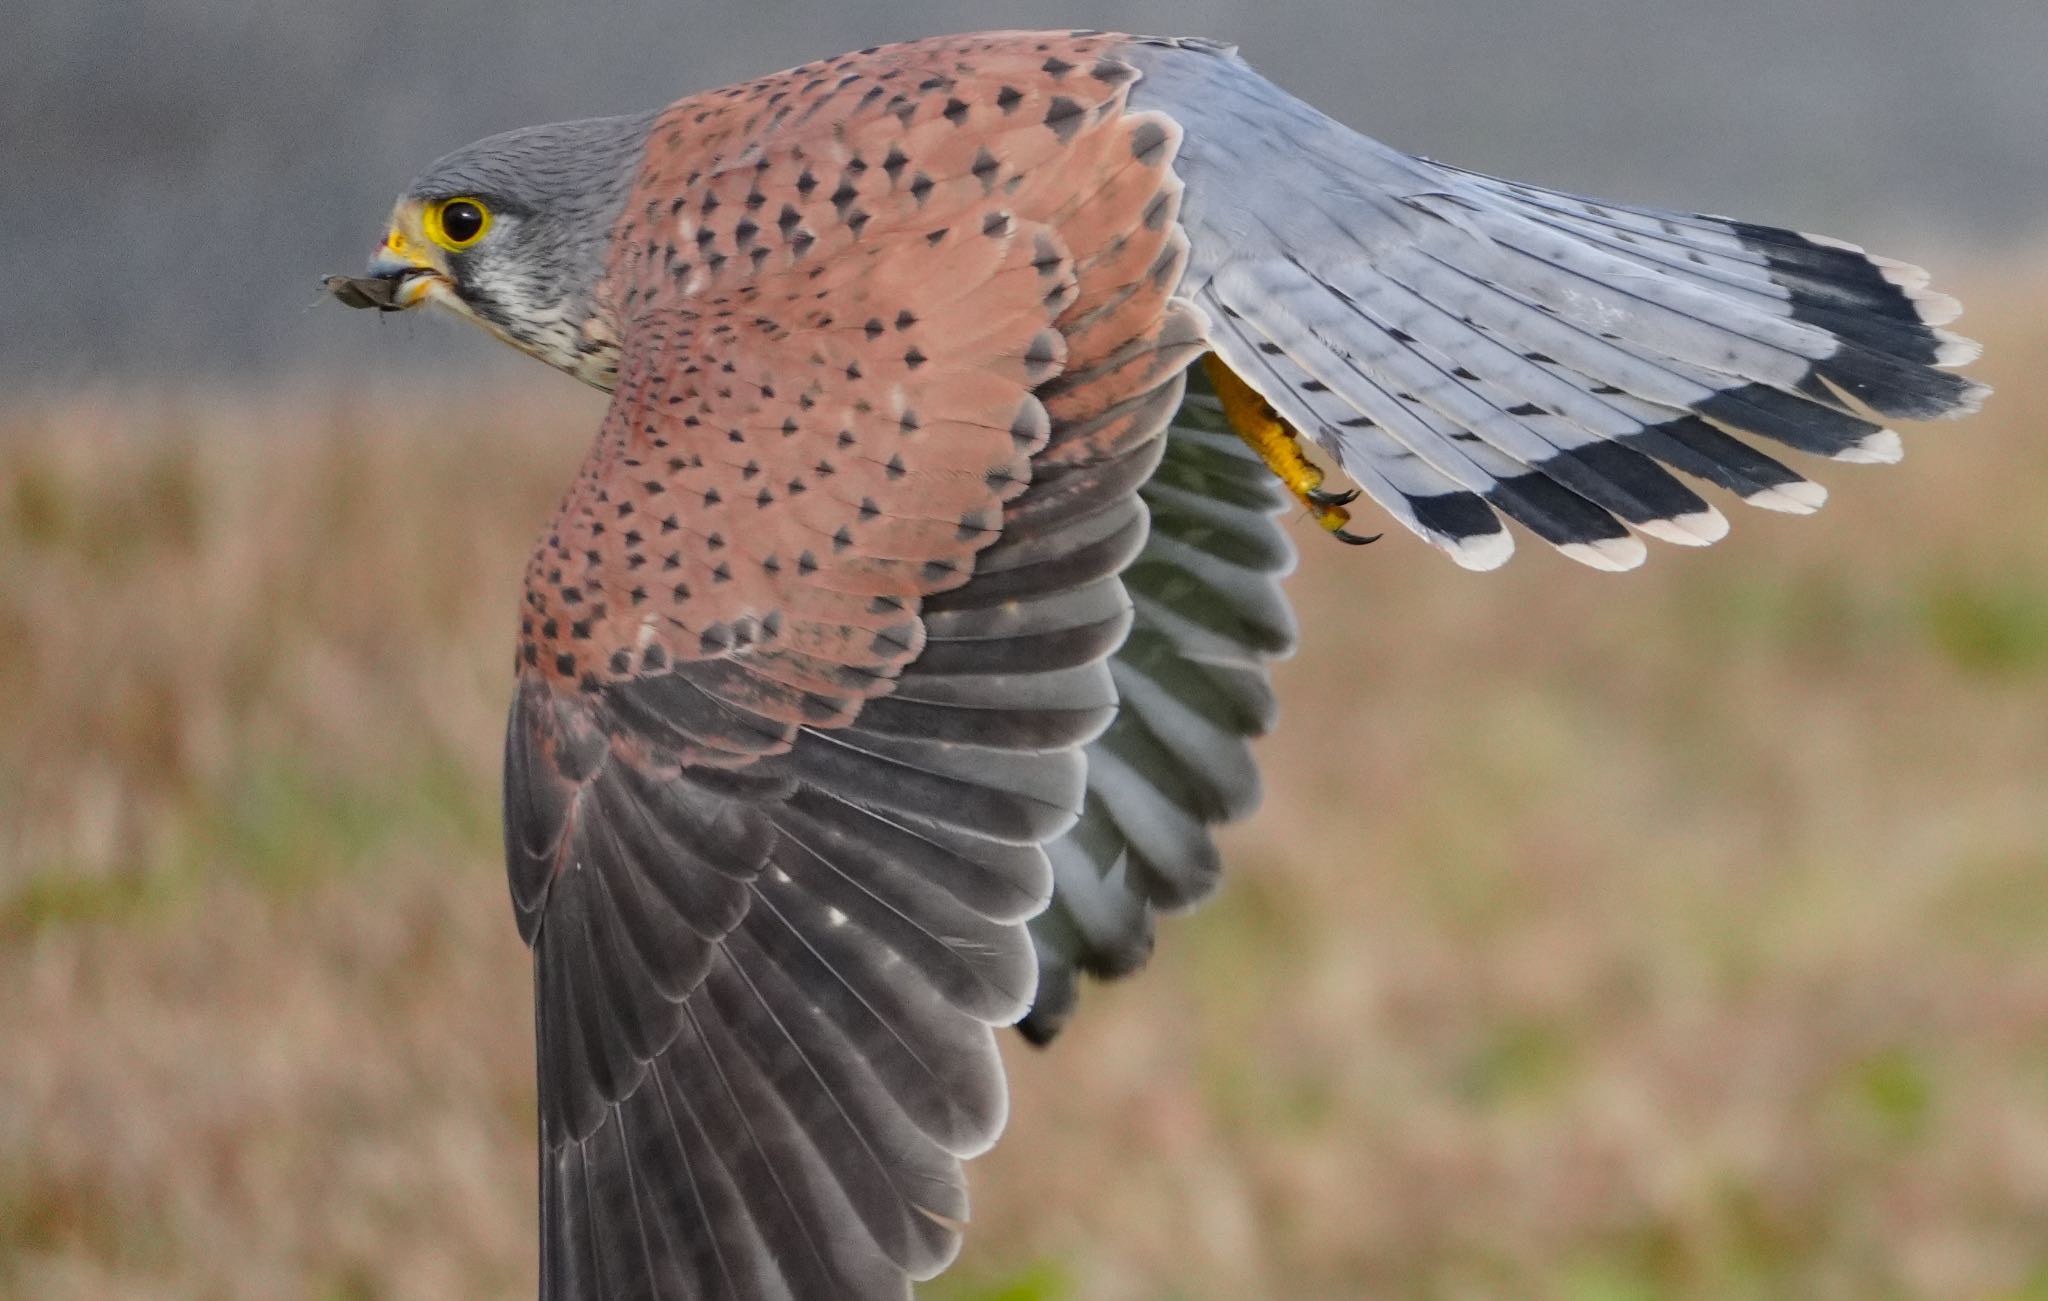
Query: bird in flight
x=898 y=647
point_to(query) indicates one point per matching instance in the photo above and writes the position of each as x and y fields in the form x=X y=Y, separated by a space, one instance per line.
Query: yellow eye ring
x=458 y=223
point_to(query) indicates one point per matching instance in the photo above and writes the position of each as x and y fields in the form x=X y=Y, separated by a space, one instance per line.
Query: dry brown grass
x=1675 y=935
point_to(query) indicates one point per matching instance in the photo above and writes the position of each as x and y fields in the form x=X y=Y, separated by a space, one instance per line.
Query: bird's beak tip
x=399 y=277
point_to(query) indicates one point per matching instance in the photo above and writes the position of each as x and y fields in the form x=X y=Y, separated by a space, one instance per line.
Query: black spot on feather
x=1063 y=116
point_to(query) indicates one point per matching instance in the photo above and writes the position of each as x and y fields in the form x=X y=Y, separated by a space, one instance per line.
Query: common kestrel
x=898 y=647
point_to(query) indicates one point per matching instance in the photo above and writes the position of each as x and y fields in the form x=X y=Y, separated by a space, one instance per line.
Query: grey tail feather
x=1468 y=347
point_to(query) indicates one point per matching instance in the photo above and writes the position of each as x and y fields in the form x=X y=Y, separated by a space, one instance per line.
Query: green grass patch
x=1891 y=1094
x=158 y=508
x=1042 y=1281
x=1819 y=615
x=1519 y=1059
x=58 y=896
x=1987 y=626
x=281 y=825
x=1601 y=1279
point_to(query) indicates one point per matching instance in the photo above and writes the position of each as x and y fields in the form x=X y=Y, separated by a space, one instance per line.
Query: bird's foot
x=1277 y=444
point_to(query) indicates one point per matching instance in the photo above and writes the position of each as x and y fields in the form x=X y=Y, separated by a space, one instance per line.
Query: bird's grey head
x=514 y=232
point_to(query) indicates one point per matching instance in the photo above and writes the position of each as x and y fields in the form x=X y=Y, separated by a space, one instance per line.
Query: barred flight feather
x=1454 y=339
x=898 y=651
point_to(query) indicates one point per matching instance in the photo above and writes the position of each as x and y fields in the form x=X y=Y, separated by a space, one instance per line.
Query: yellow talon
x=1254 y=420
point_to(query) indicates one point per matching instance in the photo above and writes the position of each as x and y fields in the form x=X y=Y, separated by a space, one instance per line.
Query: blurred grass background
x=1675 y=935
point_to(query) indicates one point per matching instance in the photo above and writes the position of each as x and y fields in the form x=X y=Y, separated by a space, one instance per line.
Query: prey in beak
x=400 y=276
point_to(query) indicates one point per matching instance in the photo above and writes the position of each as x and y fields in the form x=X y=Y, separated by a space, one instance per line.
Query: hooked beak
x=401 y=276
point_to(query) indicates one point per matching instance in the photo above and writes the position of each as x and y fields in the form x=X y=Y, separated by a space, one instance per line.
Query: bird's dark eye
x=457 y=224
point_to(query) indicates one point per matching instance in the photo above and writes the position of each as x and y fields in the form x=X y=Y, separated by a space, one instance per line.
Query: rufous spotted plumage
x=900 y=642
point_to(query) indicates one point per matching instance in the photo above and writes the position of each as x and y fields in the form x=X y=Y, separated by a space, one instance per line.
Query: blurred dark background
x=180 y=173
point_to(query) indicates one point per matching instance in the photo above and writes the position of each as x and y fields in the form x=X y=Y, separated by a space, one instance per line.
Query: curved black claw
x=1317 y=497
x=1354 y=539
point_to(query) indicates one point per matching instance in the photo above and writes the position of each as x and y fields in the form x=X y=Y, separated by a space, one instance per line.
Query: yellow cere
x=400 y=246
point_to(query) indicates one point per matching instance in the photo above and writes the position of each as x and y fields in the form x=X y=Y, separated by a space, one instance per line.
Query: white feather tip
x=1611 y=554
x=1803 y=497
x=1880 y=448
x=1700 y=529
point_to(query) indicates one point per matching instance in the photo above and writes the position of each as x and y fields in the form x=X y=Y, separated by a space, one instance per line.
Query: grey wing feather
x=1193 y=691
x=1469 y=347
x=765 y=997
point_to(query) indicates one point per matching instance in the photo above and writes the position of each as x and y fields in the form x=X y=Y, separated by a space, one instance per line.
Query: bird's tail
x=1465 y=345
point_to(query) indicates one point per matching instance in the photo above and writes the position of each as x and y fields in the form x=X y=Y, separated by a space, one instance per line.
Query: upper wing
x=812 y=647
x=1463 y=346
x=1466 y=346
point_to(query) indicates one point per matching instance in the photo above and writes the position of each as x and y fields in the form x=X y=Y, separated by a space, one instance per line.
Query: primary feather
x=899 y=649
x=1464 y=345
